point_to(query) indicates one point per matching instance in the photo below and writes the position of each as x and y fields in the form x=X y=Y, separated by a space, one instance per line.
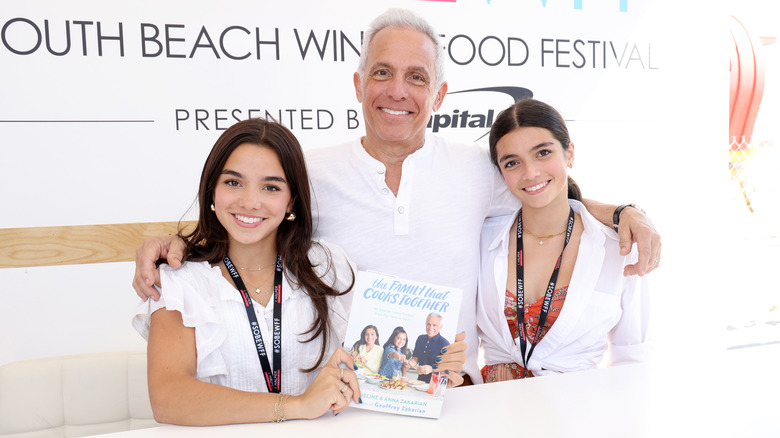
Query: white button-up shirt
x=603 y=312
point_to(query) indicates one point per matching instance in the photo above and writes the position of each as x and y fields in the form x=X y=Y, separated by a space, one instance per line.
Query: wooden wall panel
x=67 y=245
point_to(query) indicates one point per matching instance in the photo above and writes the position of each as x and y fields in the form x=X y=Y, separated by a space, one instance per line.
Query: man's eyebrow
x=379 y=65
x=419 y=68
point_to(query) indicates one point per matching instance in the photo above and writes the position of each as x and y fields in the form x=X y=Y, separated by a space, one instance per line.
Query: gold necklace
x=541 y=241
x=260 y=297
x=258 y=290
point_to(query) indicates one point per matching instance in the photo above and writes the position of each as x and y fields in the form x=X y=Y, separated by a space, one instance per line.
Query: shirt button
x=385 y=191
x=380 y=171
x=401 y=210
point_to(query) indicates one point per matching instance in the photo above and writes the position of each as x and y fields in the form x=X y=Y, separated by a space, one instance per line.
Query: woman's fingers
x=342 y=401
x=347 y=388
x=340 y=356
x=454 y=379
x=453 y=356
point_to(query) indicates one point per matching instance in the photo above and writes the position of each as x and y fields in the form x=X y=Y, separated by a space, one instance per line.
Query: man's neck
x=388 y=153
x=392 y=155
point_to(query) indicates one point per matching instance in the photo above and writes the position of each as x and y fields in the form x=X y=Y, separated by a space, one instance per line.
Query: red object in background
x=747 y=85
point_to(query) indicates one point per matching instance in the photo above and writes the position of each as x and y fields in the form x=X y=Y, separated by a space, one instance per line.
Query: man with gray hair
x=428 y=347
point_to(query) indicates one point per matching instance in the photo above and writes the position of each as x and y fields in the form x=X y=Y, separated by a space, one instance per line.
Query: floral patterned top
x=491 y=373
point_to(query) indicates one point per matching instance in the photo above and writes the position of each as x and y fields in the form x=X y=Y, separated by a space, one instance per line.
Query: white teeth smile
x=536 y=187
x=395 y=113
x=248 y=220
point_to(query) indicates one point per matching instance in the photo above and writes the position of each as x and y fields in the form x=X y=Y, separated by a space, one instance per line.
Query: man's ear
x=358 y=87
x=440 y=96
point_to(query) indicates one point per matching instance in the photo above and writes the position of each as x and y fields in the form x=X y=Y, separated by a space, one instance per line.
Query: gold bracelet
x=280 y=408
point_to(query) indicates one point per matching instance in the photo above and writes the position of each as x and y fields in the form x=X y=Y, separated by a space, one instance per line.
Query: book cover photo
x=397 y=328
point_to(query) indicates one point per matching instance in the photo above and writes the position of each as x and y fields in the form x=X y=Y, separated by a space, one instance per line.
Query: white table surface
x=733 y=396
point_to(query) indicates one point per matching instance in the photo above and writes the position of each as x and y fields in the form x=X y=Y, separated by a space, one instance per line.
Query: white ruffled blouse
x=226 y=349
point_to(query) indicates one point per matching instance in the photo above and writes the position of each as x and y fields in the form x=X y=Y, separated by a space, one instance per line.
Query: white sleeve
x=189 y=291
x=628 y=340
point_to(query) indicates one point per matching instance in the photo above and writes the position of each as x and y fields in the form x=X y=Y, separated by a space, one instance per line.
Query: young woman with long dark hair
x=552 y=296
x=248 y=329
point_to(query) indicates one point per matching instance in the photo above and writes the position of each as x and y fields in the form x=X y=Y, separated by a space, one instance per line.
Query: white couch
x=74 y=396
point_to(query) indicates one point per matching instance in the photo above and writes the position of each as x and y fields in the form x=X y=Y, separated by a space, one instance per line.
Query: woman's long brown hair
x=209 y=240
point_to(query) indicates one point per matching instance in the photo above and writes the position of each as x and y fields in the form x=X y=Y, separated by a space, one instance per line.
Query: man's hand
x=424 y=369
x=171 y=248
x=635 y=226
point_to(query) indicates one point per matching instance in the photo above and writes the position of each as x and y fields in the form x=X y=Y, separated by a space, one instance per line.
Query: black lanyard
x=273 y=380
x=547 y=295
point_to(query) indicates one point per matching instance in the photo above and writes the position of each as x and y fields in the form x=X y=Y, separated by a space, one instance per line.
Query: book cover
x=396 y=329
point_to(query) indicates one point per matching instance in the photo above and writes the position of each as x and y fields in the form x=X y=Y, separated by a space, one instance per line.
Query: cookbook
x=397 y=328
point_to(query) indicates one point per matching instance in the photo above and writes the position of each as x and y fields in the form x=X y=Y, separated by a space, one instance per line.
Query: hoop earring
x=290 y=217
x=212 y=208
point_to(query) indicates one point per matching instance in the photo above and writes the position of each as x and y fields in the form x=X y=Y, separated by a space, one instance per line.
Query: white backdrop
x=112 y=124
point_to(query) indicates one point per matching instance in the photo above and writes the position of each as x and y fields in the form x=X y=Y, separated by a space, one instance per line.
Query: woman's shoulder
x=334 y=269
x=189 y=272
x=188 y=268
x=323 y=250
x=192 y=277
x=331 y=262
x=590 y=223
x=192 y=289
x=495 y=230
